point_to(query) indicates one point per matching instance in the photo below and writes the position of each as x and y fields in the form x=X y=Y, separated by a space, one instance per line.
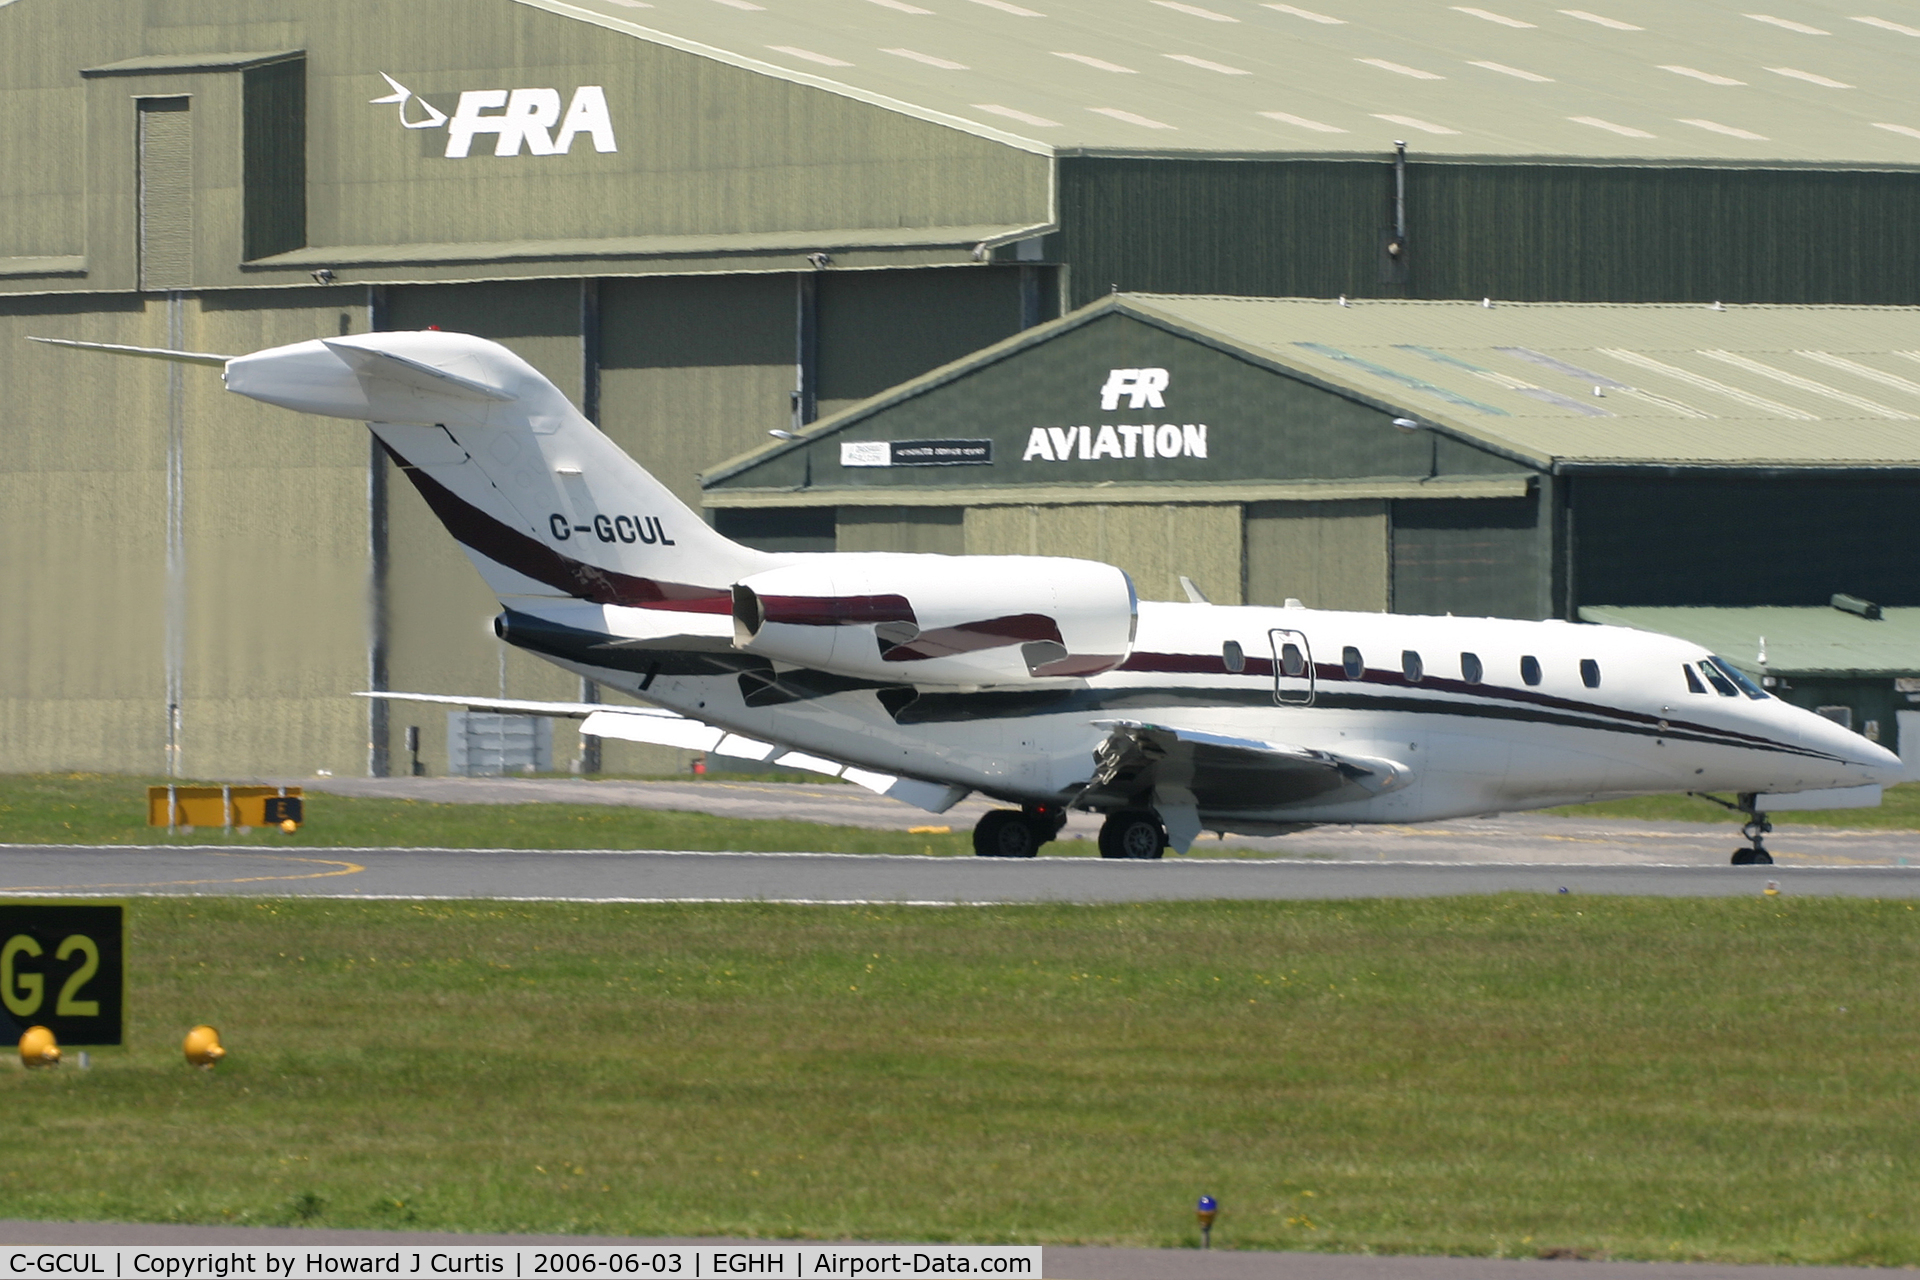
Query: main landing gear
x=1017 y=833
x=1133 y=833
x=1755 y=830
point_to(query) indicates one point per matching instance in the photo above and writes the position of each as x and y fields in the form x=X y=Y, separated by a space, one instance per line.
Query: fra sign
x=62 y=968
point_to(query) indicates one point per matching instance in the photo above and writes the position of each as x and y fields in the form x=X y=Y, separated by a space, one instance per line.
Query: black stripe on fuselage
x=908 y=708
x=936 y=708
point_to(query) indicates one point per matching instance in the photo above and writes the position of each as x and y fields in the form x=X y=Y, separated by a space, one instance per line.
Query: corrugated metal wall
x=694 y=370
x=880 y=328
x=1745 y=540
x=1154 y=544
x=936 y=530
x=274 y=536
x=1571 y=233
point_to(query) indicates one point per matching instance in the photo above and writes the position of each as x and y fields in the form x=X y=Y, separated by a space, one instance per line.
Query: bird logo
x=400 y=96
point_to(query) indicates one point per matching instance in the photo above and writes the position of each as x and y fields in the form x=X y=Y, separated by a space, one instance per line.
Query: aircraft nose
x=1867 y=761
x=1886 y=767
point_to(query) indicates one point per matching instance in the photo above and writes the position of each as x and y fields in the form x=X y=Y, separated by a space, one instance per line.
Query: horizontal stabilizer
x=150 y=353
x=378 y=362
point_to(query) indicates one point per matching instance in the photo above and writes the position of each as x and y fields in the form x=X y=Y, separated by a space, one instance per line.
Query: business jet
x=1043 y=682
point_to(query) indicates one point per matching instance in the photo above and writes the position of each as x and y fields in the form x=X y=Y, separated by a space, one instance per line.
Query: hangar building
x=1527 y=460
x=710 y=219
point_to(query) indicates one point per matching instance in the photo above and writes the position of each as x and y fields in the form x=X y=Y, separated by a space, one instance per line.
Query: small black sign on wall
x=63 y=968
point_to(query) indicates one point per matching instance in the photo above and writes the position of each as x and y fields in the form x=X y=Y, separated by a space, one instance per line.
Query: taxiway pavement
x=663 y=876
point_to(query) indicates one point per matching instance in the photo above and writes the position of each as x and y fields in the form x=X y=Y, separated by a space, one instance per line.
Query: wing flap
x=1225 y=774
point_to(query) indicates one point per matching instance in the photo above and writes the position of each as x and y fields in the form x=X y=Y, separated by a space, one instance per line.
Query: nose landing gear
x=1755 y=830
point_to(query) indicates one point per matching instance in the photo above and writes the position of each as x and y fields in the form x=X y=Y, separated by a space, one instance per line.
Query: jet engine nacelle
x=939 y=620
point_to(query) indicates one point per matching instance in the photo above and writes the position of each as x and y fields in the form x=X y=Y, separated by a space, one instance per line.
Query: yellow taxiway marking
x=340 y=869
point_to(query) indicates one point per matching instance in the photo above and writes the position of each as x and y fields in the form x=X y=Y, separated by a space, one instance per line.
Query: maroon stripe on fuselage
x=1195 y=664
x=522 y=554
x=971 y=637
x=835 y=611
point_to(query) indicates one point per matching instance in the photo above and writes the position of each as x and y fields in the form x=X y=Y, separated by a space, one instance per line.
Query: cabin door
x=1292 y=668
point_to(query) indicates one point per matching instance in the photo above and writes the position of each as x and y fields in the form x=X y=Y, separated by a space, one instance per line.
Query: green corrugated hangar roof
x=1600 y=384
x=1561 y=386
x=1637 y=80
x=1799 y=641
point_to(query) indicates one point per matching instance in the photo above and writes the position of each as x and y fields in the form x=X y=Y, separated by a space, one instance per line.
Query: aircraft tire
x=1133 y=833
x=1005 y=833
x=1752 y=858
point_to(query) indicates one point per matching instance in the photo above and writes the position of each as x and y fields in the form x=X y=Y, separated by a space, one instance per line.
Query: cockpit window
x=1530 y=669
x=1693 y=681
x=1470 y=668
x=1355 y=665
x=1721 y=685
x=1411 y=667
x=1233 y=656
x=1740 y=678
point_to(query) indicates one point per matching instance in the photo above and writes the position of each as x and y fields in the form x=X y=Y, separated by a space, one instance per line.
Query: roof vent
x=1854 y=604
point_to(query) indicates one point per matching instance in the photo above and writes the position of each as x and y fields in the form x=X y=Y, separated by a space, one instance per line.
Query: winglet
x=150 y=353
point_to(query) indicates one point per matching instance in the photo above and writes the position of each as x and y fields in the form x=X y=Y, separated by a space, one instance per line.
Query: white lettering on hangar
x=1087 y=443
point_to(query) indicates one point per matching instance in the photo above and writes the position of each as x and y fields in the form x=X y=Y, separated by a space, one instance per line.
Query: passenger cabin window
x=1410 y=666
x=1739 y=678
x=1693 y=681
x=1470 y=668
x=1530 y=669
x=1721 y=685
x=1589 y=673
x=1356 y=666
x=1233 y=656
x=1292 y=661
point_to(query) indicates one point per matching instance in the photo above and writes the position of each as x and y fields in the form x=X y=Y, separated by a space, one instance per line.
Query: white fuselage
x=1473 y=747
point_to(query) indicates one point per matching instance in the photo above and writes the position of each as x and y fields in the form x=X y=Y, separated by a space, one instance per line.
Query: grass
x=1899 y=810
x=1724 y=1079
x=91 y=808
x=84 y=808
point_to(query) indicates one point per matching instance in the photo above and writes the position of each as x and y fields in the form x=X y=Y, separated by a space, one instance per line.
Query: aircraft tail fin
x=544 y=504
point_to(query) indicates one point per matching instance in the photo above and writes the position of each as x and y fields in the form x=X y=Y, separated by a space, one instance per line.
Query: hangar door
x=1327 y=555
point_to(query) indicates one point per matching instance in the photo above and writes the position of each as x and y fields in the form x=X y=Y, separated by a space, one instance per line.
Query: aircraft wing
x=1188 y=771
x=669 y=729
